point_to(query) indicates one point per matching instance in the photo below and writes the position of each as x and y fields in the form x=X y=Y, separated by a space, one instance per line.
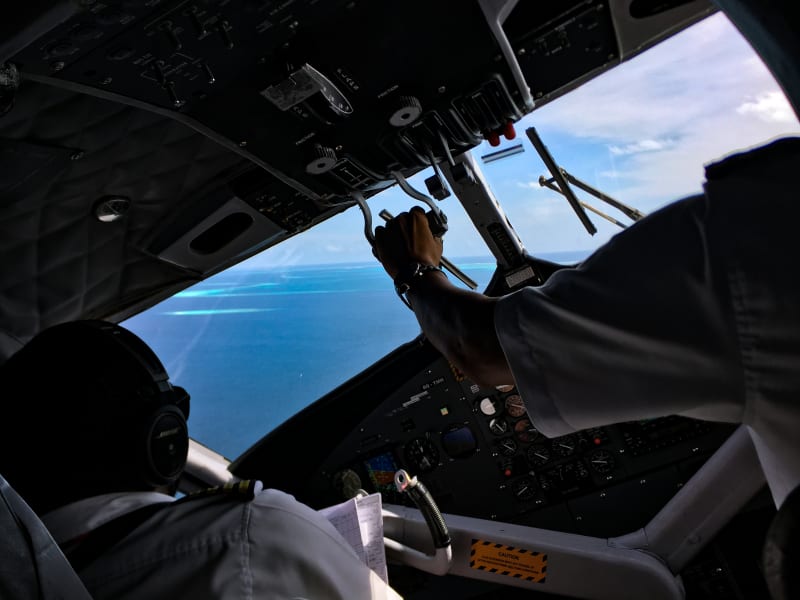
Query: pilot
x=693 y=310
x=93 y=436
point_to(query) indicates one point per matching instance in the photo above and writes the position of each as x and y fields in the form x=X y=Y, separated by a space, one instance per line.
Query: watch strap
x=409 y=275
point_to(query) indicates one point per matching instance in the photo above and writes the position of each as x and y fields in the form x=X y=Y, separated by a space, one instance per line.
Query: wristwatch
x=408 y=275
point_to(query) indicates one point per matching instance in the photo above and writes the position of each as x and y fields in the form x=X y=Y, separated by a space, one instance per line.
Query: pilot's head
x=87 y=409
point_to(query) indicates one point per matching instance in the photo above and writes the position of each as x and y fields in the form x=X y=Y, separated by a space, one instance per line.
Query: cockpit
x=210 y=175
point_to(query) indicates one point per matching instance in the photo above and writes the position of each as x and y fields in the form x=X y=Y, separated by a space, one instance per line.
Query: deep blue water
x=253 y=347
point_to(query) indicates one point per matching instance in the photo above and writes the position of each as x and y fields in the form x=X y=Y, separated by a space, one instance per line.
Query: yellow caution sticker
x=508 y=560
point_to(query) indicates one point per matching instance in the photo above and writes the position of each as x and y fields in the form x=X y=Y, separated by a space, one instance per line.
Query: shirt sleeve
x=294 y=551
x=643 y=328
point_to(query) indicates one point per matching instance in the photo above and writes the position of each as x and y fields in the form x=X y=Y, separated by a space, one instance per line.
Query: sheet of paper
x=360 y=522
x=370 y=520
x=344 y=517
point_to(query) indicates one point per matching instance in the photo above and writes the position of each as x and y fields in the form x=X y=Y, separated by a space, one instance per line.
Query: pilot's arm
x=458 y=322
x=692 y=311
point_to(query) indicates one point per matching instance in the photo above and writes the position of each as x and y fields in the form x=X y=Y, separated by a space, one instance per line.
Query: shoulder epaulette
x=241 y=490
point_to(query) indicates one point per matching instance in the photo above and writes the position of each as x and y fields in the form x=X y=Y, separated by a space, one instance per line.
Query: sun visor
x=218 y=238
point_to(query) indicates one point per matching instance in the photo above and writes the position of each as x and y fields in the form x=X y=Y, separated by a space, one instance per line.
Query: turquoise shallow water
x=254 y=347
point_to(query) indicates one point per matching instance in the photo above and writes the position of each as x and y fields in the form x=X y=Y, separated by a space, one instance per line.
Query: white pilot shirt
x=694 y=310
x=269 y=547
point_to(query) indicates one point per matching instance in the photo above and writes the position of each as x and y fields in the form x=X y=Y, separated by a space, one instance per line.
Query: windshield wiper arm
x=559 y=178
x=549 y=183
x=629 y=211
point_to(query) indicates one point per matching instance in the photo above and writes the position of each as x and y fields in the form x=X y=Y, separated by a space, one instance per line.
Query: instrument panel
x=478 y=453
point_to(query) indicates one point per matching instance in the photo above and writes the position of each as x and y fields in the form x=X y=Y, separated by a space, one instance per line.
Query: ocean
x=254 y=347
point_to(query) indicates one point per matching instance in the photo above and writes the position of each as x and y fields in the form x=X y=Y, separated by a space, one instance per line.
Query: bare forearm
x=460 y=324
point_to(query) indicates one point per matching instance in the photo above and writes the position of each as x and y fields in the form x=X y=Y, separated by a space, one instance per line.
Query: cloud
x=614 y=174
x=663 y=93
x=771 y=107
x=641 y=146
x=662 y=116
x=529 y=185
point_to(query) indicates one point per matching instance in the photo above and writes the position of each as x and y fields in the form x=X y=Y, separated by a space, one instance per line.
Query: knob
x=408 y=110
x=324 y=160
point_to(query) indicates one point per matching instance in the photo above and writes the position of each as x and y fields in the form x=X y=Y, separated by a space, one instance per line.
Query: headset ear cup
x=167 y=446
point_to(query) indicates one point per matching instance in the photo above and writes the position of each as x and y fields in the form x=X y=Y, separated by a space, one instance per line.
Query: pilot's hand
x=406 y=239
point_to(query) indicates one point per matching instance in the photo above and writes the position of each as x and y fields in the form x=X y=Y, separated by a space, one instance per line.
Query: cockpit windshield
x=257 y=343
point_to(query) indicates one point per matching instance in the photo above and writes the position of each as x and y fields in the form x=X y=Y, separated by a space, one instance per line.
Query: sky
x=641 y=133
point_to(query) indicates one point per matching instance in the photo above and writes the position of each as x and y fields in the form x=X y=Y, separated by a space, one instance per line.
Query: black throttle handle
x=437 y=222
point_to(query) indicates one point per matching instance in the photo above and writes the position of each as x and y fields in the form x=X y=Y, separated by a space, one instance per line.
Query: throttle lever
x=444 y=262
x=362 y=204
x=437 y=223
x=437 y=220
x=387 y=216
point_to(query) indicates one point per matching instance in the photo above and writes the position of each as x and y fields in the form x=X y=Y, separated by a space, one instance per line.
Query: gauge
x=421 y=455
x=564 y=478
x=498 y=426
x=524 y=488
x=490 y=406
x=525 y=431
x=515 y=406
x=507 y=446
x=538 y=455
x=602 y=461
x=565 y=445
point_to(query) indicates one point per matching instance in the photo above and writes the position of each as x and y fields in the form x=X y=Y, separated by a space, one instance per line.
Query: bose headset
x=164 y=442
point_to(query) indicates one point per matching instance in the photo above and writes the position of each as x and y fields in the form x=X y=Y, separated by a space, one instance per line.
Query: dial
x=407 y=111
x=507 y=446
x=490 y=406
x=515 y=406
x=538 y=455
x=564 y=478
x=421 y=455
x=565 y=445
x=498 y=426
x=524 y=488
x=525 y=431
x=602 y=461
